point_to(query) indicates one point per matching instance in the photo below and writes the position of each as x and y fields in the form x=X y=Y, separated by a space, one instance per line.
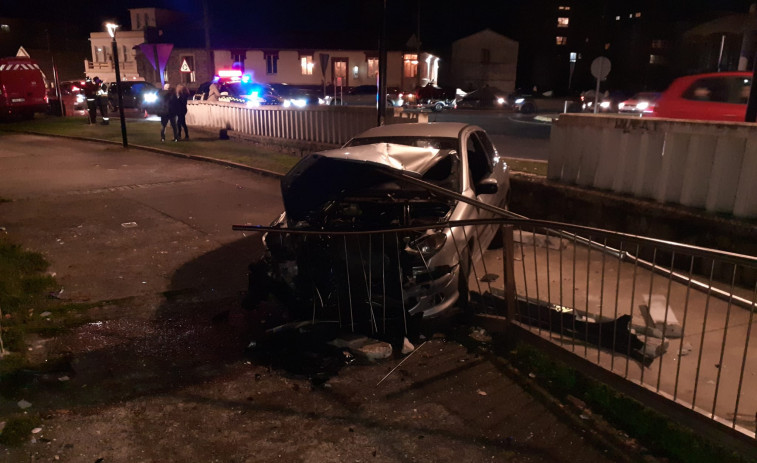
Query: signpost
x=600 y=68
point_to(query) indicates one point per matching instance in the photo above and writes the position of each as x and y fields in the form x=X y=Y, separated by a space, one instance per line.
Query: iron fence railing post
x=508 y=267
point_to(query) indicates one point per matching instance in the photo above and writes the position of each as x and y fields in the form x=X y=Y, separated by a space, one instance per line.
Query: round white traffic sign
x=600 y=67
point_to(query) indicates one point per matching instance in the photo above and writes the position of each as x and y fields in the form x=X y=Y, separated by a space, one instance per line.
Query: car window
x=720 y=90
x=478 y=162
x=487 y=145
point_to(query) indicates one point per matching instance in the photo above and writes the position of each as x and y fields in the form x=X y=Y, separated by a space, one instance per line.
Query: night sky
x=253 y=21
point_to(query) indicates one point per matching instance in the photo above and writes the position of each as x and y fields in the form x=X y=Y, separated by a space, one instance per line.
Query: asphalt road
x=161 y=376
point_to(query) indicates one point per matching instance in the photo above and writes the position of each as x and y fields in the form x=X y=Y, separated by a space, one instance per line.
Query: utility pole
x=382 y=68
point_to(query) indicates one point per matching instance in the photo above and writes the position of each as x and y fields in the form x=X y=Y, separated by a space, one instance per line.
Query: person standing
x=167 y=110
x=213 y=92
x=90 y=93
x=182 y=95
x=102 y=100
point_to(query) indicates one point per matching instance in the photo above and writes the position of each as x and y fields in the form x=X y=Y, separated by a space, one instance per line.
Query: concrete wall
x=704 y=165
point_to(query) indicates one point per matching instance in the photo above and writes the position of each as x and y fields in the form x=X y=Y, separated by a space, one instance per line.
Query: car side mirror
x=487 y=186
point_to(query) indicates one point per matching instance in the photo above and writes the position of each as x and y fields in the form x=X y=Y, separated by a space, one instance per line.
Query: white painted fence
x=327 y=124
x=706 y=165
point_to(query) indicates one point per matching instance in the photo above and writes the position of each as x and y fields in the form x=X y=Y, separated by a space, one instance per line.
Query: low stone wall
x=539 y=198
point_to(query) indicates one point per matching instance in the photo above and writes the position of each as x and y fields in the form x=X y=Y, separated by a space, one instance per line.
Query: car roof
x=431 y=129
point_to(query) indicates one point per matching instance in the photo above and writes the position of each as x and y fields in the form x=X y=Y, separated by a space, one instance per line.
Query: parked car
x=242 y=91
x=639 y=104
x=23 y=90
x=70 y=94
x=486 y=97
x=136 y=94
x=299 y=95
x=434 y=98
x=366 y=185
x=366 y=95
x=718 y=96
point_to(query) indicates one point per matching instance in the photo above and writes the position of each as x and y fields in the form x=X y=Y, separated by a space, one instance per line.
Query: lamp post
x=112 y=31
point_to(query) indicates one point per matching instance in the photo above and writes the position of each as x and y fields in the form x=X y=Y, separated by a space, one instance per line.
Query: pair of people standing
x=173 y=109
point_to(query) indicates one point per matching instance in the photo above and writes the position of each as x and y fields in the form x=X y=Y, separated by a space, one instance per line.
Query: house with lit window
x=150 y=51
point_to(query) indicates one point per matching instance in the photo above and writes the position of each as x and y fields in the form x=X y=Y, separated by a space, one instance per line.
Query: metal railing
x=655 y=313
x=333 y=125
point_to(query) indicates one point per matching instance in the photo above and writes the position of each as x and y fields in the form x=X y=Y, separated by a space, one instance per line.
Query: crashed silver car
x=380 y=206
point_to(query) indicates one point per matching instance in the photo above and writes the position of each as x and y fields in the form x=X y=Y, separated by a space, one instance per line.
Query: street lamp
x=112 y=31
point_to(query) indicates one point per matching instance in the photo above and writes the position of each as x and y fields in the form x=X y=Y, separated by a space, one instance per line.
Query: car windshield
x=442 y=143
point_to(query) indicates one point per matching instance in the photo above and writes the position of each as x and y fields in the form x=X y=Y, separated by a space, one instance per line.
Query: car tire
x=438 y=107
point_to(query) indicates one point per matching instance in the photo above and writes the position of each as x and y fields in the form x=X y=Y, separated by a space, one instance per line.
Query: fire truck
x=22 y=87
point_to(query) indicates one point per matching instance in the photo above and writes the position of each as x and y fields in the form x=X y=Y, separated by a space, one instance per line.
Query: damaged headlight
x=427 y=245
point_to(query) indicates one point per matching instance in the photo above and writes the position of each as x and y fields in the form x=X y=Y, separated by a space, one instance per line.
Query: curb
x=194 y=157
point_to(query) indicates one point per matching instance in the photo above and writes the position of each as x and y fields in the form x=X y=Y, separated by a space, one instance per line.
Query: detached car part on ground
x=407 y=263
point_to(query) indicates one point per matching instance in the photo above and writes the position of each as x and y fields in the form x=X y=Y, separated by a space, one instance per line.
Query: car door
x=714 y=99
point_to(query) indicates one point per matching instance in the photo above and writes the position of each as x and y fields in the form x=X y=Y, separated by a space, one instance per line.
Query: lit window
x=656 y=59
x=5 y=28
x=563 y=22
x=306 y=63
x=563 y=8
x=271 y=63
x=573 y=57
x=355 y=71
x=607 y=46
x=373 y=67
x=559 y=40
x=617 y=18
x=630 y=15
x=638 y=14
x=411 y=65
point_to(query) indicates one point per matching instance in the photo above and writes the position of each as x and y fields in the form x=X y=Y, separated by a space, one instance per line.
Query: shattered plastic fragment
x=129 y=224
x=407 y=346
x=36 y=430
x=23 y=404
x=480 y=392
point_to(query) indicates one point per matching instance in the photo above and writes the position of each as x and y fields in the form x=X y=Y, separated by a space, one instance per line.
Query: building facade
x=484 y=58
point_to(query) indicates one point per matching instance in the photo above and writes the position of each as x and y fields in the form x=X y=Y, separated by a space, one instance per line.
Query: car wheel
x=438 y=107
x=528 y=108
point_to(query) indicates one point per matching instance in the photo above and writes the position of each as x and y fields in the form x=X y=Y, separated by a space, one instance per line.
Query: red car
x=718 y=96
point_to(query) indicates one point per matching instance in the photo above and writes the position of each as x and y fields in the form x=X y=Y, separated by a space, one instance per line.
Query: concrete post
x=745 y=204
x=674 y=154
x=726 y=168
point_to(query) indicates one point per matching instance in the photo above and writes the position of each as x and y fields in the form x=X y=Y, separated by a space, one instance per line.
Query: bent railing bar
x=514 y=219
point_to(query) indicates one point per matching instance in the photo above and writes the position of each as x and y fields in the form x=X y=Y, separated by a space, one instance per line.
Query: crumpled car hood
x=325 y=175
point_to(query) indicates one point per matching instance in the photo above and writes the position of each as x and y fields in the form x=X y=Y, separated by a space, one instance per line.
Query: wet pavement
x=162 y=373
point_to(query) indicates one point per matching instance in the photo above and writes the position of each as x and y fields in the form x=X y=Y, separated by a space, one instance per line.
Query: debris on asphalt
x=480 y=392
x=129 y=224
x=23 y=404
x=36 y=430
x=374 y=350
x=480 y=335
x=45 y=314
x=489 y=277
x=63 y=378
x=686 y=348
x=658 y=314
x=56 y=294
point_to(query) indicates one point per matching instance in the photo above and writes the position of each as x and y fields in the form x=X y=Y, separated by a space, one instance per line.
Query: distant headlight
x=322 y=101
x=621 y=105
x=297 y=103
x=642 y=105
x=605 y=104
x=150 y=97
x=520 y=100
x=80 y=98
x=500 y=101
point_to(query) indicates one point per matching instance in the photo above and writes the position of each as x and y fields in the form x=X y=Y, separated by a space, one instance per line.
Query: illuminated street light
x=112 y=32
